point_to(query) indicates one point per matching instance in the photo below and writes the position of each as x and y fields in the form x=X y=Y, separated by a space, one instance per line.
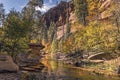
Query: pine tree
x=14 y=35
x=51 y=31
x=54 y=43
x=68 y=25
x=32 y=15
x=44 y=33
x=115 y=10
x=68 y=29
x=36 y=3
x=81 y=10
x=2 y=13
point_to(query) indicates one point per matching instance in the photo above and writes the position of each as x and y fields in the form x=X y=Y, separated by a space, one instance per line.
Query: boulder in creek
x=79 y=64
x=118 y=70
x=7 y=64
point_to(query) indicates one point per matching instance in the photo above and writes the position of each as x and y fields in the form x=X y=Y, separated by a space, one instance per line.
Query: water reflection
x=57 y=71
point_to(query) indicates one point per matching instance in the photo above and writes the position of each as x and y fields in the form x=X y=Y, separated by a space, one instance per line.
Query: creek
x=56 y=70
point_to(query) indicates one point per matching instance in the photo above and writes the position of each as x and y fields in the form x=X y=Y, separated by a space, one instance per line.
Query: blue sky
x=19 y=4
x=16 y=4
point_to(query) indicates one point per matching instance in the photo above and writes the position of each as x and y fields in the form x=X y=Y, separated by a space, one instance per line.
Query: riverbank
x=57 y=70
x=10 y=76
x=98 y=71
x=107 y=68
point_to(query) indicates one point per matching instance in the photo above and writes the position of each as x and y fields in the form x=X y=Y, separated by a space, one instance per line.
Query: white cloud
x=50 y=1
x=45 y=8
x=22 y=6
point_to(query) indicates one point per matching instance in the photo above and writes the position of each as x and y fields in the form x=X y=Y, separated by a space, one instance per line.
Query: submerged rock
x=36 y=68
x=79 y=64
x=59 y=56
x=118 y=71
x=7 y=64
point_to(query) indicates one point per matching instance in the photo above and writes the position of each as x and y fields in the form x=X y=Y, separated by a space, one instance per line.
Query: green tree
x=44 y=33
x=32 y=15
x=2 y=13
x=115 y=12
x=51 y=31
x=35 y=3
x=68 y=28
x=81 y=10
x=16 y=29
x=54 y=44
x=93 y=8
x=116 y=15
x=68 y=25
x=2 y=17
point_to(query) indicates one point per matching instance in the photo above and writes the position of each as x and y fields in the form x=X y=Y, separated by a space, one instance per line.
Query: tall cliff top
x=58 y=13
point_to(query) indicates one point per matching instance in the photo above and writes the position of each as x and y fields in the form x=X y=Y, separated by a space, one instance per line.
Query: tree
x=68 y=29
x=81 y=10
x=93 y=8
x=2 y=16
x=116 y=15
x=32 y=15
x=45 y=35
x=35 y=3
x=114 y=11
x=51 y=31
x=54 y=44
x=16 y=29
x=68 y=25
x=2 y=13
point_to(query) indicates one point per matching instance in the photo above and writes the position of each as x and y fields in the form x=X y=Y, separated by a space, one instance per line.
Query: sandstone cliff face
x=58 y=13
x=104 y=7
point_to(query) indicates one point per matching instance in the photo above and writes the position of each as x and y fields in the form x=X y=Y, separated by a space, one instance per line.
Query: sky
x=19 y=4
x=16 y=4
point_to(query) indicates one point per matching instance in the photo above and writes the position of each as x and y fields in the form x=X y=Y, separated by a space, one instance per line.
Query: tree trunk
x=84 y=20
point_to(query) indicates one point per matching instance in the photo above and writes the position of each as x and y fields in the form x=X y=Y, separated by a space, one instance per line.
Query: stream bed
x=56 y=70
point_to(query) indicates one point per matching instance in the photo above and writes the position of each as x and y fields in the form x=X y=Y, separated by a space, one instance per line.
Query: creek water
x=56 y=70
